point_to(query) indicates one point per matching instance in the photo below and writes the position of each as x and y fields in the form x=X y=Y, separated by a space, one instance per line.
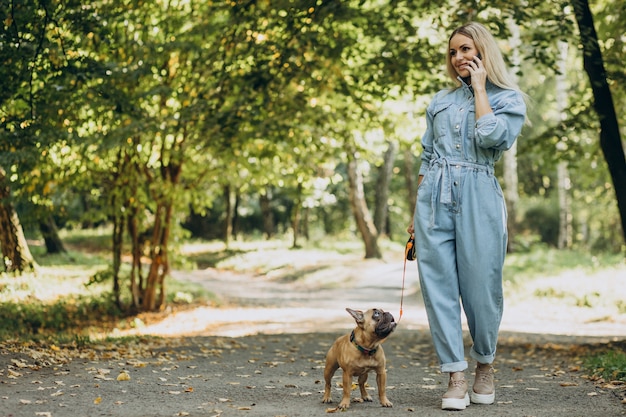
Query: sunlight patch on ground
x=574 y=303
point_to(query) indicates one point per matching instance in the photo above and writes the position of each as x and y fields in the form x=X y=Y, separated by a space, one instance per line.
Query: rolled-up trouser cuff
x=454 y=366
x=482 y=358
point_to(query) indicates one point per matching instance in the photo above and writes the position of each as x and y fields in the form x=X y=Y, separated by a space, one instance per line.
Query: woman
x=460 y=216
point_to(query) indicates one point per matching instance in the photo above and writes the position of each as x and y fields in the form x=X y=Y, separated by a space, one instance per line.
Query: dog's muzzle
x=385 y=326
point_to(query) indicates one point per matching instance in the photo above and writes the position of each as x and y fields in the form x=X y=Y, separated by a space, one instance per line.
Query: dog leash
x=409 y=255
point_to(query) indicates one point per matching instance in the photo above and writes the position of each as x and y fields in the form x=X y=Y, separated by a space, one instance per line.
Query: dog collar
x=361 y=348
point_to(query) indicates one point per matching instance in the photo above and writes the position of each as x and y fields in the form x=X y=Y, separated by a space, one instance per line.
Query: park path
x=261 y=353
x=274 y=303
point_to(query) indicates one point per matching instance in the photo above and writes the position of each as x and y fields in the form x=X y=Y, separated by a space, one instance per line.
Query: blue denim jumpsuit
x=460 y=219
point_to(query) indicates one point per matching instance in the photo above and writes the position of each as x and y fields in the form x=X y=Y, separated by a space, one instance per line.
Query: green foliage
x=543 y=219
x=609 y=365
x=126 y=107
x=69 y=296
x=69 y=314
x=541 y=260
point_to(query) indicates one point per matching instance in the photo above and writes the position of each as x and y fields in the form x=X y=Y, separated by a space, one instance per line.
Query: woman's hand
x=478 y=74
x=479 y=83
x=411 y=229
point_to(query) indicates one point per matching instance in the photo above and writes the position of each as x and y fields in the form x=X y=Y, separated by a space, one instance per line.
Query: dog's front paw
x=386 y=403
x=327 y=399
x=367 y=398
x=344 y=405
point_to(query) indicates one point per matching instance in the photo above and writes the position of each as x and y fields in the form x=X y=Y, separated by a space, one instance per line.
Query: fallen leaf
x=123 y=376
x=98 y=400
x=19 y=363
x=569 y=384
x=25 y=401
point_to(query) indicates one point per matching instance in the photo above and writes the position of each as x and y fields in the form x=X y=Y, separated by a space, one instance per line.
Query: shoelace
x=484 y=375
x=457 y=382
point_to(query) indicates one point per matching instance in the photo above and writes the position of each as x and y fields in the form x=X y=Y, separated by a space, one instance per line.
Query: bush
x=543 y=219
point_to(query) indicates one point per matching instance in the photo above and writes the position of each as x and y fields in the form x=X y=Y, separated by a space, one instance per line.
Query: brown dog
x=358 y=353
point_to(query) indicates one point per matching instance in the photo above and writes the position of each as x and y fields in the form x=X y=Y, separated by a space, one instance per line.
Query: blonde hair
x=492 y=59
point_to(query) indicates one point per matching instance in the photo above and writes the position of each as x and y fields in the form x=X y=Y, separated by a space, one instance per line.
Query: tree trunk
x=235 y=221
x=154 y=291
x=136 y=248
x=563 y=179
x=362 y=216
x=610 y=140
x=296 y=211
x=305 y=223
x=15 y=250
x=385 y=172
x=228 y=220
x=117 y=241
x=50 y=233
x=565 y=215
x=511 y=179
x=159 y=262
x=410 y=174
x=265 y=201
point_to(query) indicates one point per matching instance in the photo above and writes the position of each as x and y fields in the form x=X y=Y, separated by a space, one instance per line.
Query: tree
x=15 y=251
x=610 y=140
x=563 y=179
x=364 y=221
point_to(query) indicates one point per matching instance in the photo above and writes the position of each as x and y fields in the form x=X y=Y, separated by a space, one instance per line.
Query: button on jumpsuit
x=460 y=219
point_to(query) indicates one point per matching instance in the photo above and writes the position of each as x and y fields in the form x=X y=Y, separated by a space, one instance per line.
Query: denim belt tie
x=442 y=185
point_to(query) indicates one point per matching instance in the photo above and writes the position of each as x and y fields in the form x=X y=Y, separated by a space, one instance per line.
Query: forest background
x=162 y=122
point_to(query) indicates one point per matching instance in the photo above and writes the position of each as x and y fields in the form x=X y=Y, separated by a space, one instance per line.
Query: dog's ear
x=357 y=314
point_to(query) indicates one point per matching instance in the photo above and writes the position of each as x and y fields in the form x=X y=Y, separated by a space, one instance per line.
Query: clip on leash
x=409 y=255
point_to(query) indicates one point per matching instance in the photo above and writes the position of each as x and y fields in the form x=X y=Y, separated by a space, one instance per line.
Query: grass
x=69 y=296
x=609 y=365
x=541 y=260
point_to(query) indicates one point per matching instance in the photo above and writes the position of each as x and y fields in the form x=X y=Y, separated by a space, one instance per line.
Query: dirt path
x=262 y=354
x=274 y=303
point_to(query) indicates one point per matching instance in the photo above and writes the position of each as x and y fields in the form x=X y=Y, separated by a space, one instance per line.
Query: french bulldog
x=359 y=352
